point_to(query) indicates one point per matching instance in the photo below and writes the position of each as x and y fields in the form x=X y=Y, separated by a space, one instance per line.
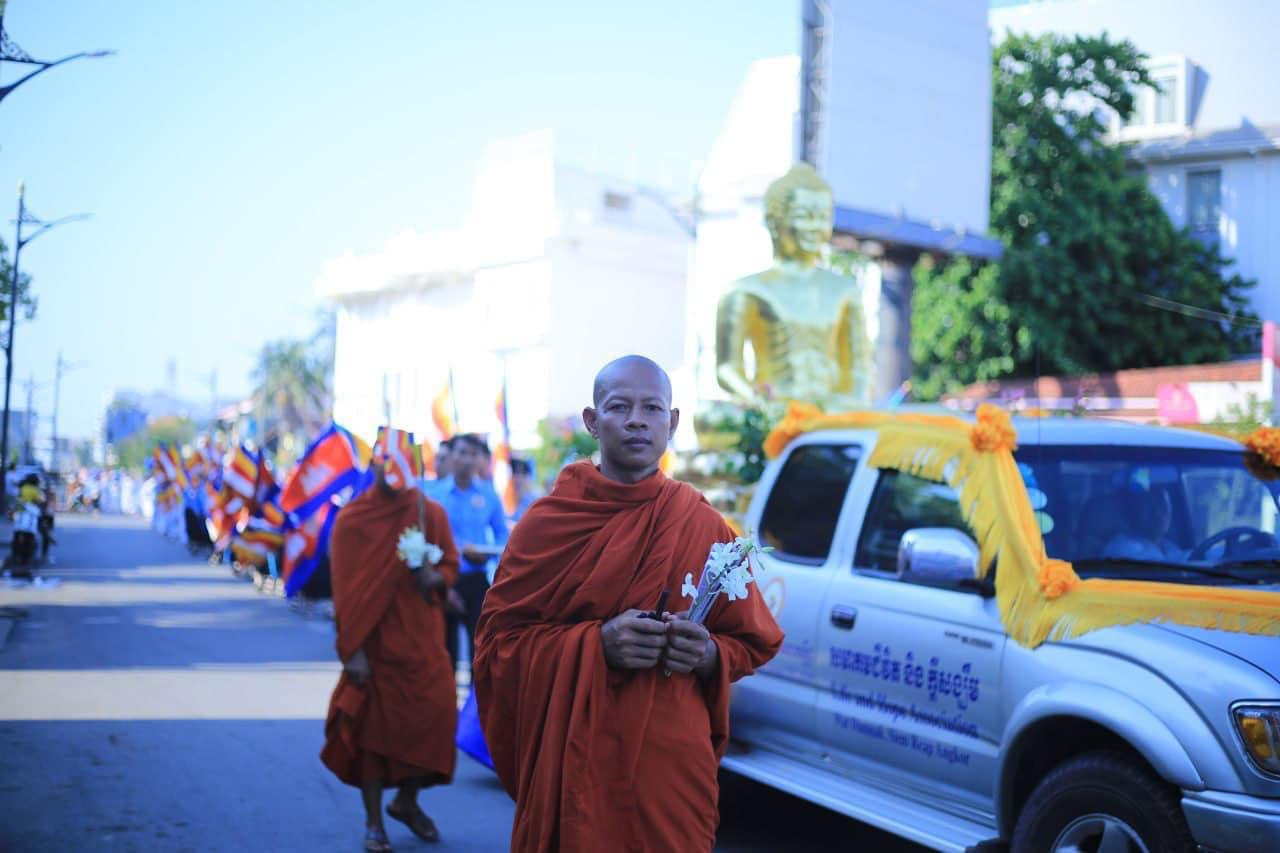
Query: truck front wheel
x=1102 y=801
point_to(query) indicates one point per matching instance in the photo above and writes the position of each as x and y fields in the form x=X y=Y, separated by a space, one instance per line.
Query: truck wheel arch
x=1069 y=719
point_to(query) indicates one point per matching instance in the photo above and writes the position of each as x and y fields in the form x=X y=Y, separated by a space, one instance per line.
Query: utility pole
x=213 y=394
x=57 y=392
x=25 y=217
x=28 y=458
x=62 y=367
x=10 y=52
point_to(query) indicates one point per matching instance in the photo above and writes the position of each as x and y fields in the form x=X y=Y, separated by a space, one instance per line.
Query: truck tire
x=1097 y=793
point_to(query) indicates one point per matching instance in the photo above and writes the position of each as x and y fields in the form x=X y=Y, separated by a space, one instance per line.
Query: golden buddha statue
x=803 y=323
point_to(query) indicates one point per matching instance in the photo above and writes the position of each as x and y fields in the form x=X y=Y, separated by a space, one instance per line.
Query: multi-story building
x=1208 y=133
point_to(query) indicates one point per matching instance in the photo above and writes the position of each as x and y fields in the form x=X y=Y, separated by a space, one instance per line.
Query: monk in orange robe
x=392 y=717
x=605 y=724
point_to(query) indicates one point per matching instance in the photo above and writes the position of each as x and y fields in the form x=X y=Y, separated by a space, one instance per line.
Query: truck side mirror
x=937 y=554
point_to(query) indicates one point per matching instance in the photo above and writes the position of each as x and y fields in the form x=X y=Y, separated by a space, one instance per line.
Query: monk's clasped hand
x=633 y=640
x=429 y=580
x=689 y=646
x=357 y=667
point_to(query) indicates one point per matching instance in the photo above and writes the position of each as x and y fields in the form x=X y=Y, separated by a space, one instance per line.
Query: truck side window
x=902 y=502
x=804 y=505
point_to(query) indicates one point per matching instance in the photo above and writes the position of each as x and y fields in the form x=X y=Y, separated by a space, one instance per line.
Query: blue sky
x=230 y=148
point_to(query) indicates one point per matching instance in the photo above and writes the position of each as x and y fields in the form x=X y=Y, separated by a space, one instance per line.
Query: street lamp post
x=63 y=367
x=10 y=52
x=24 y=218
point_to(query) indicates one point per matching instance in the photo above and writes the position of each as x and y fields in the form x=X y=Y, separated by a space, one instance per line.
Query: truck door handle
x=843 y=617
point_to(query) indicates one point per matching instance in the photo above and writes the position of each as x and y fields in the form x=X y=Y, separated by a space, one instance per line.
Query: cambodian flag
x=332 y=464
x=305 y=547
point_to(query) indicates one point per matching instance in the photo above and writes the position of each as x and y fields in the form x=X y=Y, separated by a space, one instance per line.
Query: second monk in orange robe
x=393 y=714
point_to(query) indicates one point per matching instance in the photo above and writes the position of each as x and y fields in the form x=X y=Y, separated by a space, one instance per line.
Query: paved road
x=151 y=702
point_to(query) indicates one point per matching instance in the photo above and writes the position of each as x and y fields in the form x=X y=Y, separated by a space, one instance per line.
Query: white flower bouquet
x=414 y=549
x=728 y=569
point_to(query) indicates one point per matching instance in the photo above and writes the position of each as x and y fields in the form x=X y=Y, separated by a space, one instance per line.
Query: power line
x=1192 y=311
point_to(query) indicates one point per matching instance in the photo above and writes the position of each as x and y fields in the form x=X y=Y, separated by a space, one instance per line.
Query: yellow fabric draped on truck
x=1040 y=598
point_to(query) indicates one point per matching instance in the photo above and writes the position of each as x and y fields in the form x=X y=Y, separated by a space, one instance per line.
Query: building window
x=1166 y=104
x=1204 y=204
x=1162 y=107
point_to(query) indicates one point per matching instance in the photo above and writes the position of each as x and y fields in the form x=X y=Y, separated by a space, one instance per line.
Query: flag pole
x=453 y=400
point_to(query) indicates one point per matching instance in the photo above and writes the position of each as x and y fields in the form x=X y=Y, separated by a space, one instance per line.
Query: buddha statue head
x=798 y=211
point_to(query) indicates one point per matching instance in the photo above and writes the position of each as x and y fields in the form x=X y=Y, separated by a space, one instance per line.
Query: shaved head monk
x=393 y=714
x=607 y=725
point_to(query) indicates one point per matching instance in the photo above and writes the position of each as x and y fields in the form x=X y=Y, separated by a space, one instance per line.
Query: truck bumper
x=1234 y=822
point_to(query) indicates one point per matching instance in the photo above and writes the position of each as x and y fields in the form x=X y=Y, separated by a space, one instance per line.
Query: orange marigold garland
x=1263 y=458
x=993 y=431
x=1057 y=577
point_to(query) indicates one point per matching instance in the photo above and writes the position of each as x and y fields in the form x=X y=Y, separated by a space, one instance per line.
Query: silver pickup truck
x=898 y=698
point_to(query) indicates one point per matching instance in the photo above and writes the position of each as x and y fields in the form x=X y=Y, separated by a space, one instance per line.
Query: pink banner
x=1175 y=404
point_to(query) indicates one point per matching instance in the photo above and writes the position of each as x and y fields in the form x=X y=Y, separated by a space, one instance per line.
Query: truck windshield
x=1155 y=513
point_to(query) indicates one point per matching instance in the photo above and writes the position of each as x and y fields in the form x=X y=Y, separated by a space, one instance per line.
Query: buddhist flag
x=442 y=409
x=399 y=457
x=240 y=474
x=500 y=409
x=502 y=453
x=262 y=533
x=179 y=474
x=159 y=463
x=171 y=465
x=194 y=464
x=333 y=463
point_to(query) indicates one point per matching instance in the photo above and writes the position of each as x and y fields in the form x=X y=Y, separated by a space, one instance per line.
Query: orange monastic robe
x=595 y=758
x=399 y=725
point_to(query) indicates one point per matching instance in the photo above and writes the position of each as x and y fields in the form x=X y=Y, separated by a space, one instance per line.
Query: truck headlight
x=1259 y=728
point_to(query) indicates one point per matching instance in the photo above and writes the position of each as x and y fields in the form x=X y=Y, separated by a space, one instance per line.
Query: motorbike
x=26 y=539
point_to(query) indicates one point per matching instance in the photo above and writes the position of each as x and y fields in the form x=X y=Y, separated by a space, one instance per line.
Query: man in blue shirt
x=478 y=521
x=526 y=494
x=443 y=466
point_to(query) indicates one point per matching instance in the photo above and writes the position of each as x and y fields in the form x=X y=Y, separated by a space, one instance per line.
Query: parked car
x=899 y=699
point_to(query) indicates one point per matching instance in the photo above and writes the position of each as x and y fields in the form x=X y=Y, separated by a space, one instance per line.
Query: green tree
x=292 y=393
x=134 y=451
x=25 y=299
x=1087 y=247
x=562 y=440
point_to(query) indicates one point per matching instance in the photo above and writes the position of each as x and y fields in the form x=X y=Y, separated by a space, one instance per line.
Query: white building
x=552 y=272
x=1208 y=136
